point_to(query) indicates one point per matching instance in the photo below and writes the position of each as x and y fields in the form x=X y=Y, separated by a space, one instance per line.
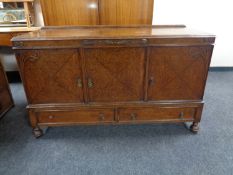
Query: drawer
x=83 y=116
x=156 y=114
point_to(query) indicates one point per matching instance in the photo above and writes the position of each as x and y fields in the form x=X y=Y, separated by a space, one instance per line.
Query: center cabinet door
x=114 y=74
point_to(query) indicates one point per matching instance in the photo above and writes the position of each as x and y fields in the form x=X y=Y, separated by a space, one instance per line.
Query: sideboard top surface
x=113 y=32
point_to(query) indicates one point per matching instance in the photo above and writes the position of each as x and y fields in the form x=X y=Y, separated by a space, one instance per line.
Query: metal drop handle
x=101 y=117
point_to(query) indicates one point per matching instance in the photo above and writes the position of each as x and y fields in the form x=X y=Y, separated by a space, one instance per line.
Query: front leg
x=194 y=127
x=37 y=132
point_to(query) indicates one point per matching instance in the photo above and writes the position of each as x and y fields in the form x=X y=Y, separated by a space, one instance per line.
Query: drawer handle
x=51 y=117
x=101 y=117
x=79 y=82
x=133 y=116
x=90 y=83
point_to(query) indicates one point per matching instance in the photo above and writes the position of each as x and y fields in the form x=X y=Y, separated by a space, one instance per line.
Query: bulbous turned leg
x=194 y=127
x=37 y=132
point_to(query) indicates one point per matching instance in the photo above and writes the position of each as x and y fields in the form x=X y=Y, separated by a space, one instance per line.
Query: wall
x=212 y=16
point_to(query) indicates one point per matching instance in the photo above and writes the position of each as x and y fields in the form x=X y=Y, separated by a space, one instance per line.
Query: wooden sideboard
x=6 y=101
x=114 y=75
x=7 y=33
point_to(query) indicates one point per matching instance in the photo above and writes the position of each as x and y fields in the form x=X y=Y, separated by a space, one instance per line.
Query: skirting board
x=220 y=69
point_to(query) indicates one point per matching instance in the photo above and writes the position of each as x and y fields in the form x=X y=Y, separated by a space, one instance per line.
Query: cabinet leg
x=194 y=127
x=37 y=132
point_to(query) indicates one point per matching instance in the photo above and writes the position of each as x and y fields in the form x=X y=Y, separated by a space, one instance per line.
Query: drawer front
x=156 y=114
x=94 y=116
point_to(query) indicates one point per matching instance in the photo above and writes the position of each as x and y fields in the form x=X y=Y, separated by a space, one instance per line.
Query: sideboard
x=114 y=75
x=6 y=101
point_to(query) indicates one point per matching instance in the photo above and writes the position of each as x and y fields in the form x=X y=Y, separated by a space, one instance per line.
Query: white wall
x=212 y=16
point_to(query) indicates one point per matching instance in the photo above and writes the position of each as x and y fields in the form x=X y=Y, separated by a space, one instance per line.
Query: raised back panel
x=70 y=12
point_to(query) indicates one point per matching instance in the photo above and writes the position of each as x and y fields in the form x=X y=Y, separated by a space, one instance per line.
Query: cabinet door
x=115 y=74
x=178 y=73
x=51 y=76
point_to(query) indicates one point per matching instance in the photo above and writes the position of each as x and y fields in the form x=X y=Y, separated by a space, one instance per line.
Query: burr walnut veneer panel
x=114 y=75
x=112 y=72
x=177 y=72
x=61 y=67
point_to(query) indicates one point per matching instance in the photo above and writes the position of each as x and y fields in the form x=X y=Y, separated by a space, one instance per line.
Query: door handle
x=79 y=82
x=90 y=83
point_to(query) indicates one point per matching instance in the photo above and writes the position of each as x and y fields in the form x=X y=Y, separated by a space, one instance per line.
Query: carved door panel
x=115 y=74
x=178 y=73
x=51 y=76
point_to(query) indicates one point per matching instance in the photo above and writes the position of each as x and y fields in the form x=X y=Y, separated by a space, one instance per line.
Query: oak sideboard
x=113 y=75
x=6 y=100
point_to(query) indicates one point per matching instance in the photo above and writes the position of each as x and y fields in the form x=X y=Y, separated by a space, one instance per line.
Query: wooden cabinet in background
x=125 y=12
x=6 y=101
x=72 y=12
x=114 y=75
x=97 y=12
x=6 y=33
